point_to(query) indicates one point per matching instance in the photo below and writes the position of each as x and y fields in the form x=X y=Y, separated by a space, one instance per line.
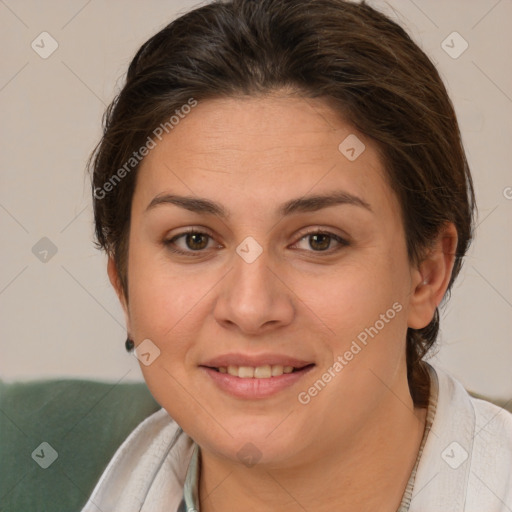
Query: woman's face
x=255 y=287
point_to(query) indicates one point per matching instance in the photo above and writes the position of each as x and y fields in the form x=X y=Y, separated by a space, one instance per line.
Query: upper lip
x=255 y=360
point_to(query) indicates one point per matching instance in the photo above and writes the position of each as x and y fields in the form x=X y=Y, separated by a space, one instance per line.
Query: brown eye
x=322 y=241
x=319 y=241
x=189 y=243
x=196 y=241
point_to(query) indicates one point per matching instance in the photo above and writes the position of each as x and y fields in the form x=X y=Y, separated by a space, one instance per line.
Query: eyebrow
x=310 y=203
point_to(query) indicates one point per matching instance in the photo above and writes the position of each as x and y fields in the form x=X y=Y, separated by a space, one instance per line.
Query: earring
x=129 y=344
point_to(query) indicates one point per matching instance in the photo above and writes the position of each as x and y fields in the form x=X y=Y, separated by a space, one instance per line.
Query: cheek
x=166 y=305
x=160 y=295
x=352 y=296
x=363 y=305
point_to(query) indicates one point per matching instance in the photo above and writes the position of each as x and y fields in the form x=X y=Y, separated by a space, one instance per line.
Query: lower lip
x=253 y=388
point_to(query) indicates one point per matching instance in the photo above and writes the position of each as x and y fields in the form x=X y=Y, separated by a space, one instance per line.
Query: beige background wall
x=61 y=318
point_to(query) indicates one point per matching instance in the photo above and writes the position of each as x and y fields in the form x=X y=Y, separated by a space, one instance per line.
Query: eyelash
x=170 y=242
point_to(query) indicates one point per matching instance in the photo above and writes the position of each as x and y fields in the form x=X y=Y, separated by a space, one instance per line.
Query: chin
x=255 y=441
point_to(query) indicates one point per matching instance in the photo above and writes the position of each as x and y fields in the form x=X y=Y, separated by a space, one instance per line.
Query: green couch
x=83 y=423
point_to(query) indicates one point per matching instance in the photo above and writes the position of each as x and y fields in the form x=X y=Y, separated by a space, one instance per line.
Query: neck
x=368 y=473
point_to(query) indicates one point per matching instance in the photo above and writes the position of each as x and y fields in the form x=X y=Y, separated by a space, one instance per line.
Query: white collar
x=467 y=458
x=147 y=473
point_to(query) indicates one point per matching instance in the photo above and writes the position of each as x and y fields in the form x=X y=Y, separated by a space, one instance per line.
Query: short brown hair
x=360 y=61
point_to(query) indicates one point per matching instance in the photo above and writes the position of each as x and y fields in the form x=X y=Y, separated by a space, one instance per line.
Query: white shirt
x=465 y=464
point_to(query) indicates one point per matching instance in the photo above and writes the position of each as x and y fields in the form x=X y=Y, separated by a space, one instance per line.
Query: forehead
x=262 y=148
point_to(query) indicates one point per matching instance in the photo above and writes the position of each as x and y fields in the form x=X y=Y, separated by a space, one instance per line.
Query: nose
x=254 y=298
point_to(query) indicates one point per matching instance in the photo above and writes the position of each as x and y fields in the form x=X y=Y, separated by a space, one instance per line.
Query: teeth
x=277 y=370
x=263 y=372
x=233 y=370
x=258 y=372
x=246 y=372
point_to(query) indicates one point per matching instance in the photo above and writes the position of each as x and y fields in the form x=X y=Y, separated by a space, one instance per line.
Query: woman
x=285 y=201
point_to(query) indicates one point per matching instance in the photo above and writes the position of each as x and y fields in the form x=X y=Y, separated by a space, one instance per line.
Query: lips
x=258 y=367
x=254 y=361
x=252 y=377
x=257 y=372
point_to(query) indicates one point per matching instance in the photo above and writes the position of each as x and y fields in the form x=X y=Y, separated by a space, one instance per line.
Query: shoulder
x=491 y=464
x=490 y=424
x=492 y=421
x=153 y=459
x=467 y=460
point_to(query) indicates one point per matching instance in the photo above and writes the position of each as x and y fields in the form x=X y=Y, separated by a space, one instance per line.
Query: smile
x=258 y=372
x=255 y=382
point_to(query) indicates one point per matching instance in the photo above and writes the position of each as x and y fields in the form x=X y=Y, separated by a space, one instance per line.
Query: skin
x=353 y=446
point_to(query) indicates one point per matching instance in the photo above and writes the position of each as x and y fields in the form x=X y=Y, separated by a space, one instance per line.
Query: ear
x=432 y=277
x=113 y=276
